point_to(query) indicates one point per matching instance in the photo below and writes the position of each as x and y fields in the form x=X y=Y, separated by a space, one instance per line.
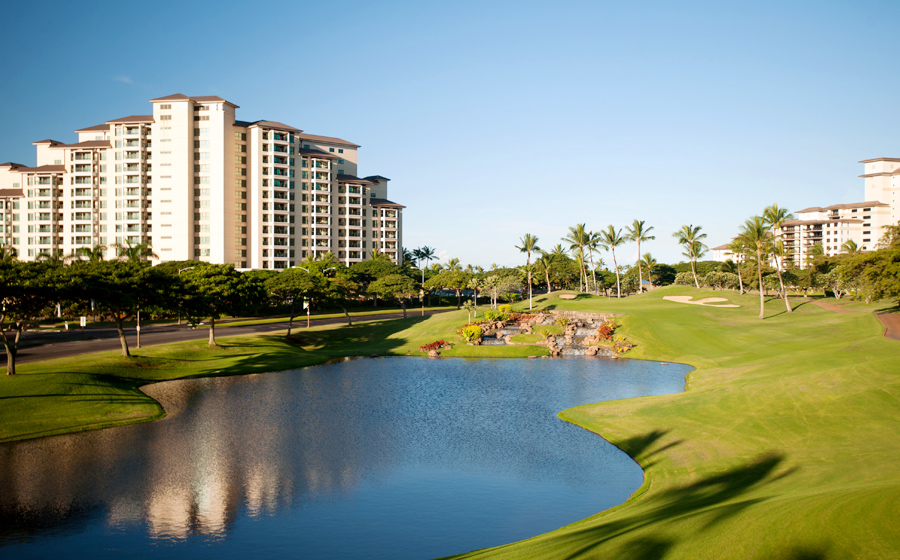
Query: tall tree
x=593 y=245
x=609 y=240
x=218 y=289
x=776 y=217
x=577 y=238
x=426 y=254
x=120 y=289
x=755 y=235
x=291 y=286
x=650 y=264
x=27 y=292
x=738 y=249
x=690 y=237
x=546 y=263
x=394 y=286
x=639 y=233
x=528 y=245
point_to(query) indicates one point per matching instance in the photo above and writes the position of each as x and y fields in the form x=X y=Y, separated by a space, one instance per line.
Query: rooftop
x=327 y=140
x=133 y=119
x=385 y=202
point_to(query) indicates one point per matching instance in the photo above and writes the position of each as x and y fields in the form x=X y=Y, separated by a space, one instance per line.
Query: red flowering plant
x=433 y=346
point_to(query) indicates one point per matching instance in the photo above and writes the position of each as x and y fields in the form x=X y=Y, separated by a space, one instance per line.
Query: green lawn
x=786 y=443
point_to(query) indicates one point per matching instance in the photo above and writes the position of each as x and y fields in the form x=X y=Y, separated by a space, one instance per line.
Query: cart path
x=105 y=339
x=831 y=307
x=891 y=322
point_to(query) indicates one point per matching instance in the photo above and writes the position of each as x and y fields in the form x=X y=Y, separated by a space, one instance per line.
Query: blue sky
x=496 y=119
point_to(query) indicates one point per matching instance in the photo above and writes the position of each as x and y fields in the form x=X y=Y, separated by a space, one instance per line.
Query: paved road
x=73 y=343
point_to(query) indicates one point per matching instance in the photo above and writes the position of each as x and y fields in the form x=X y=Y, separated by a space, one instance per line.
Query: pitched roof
x=811 y=209
x=47 y=141
x=328 y=140
x=312 y=152
x=879 y=159
x=866 y=204
x=345 y=178
x=724 y=247
x=12 y=164
x=93 y=128
x=385 y=202
x=173 y=97
x=823 y=221
x=133 y=119
x=43 y=169
x=86 y=144
x=376 y=178
x=11 y=192
x=273 y=124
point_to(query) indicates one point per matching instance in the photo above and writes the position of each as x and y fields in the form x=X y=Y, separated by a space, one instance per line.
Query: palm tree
x=593 y=246
x=755 y=235
x=546 y=262
x=577 y=239
x=651 y=264
x=425 y=253
x=609 y=240
x=453 y=264
x=91 y=254
x=637 y=232
x=850 y=247
x=815 y=252
x=690 y=237
x=135 y=252
x=738 y=249
x=7 y=253
x=776 y=217
x=528 y=246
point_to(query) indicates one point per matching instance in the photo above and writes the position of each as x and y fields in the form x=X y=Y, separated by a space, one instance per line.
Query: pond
x=371 y=458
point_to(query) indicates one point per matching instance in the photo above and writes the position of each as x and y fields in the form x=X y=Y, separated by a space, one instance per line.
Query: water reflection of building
x=195 y=472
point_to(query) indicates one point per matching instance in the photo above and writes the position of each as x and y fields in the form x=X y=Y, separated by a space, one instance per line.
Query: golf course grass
x=786 y=443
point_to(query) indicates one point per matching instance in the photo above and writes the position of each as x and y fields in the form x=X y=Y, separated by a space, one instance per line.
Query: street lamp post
x=180 y=270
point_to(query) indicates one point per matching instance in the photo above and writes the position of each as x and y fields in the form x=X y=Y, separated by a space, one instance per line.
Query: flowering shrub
x=506 y=309
x=622 y=345
x=432 y=346
x=493 y=315
x=606 y=329
x=470 y=333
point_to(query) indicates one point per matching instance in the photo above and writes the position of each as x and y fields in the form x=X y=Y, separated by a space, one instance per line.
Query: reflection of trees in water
x=254 y=445
x=189 y=474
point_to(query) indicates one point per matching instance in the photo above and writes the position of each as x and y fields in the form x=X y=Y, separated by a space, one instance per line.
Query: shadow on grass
x=648 y=532
x=714 y=498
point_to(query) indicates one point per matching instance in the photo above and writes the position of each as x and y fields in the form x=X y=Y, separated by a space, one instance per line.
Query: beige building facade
x=196 y=183
x=831 y=227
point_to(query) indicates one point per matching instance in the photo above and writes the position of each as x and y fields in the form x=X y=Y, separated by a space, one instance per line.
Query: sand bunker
x=705 y=301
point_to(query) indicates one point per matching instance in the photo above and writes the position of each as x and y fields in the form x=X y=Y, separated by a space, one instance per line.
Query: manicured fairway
x=785 y=445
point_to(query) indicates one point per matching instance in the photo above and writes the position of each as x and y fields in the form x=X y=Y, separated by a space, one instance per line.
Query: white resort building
x=833 y=226
x=195 y=183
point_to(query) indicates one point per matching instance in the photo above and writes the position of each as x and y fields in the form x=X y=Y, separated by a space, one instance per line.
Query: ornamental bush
x=506 y=309
x=495 y=315
x=470 y=333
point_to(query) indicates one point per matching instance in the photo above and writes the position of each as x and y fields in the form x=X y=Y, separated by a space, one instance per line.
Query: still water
x=375 y=458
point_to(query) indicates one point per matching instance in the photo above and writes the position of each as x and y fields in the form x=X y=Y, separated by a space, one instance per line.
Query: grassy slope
x=784 y=446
